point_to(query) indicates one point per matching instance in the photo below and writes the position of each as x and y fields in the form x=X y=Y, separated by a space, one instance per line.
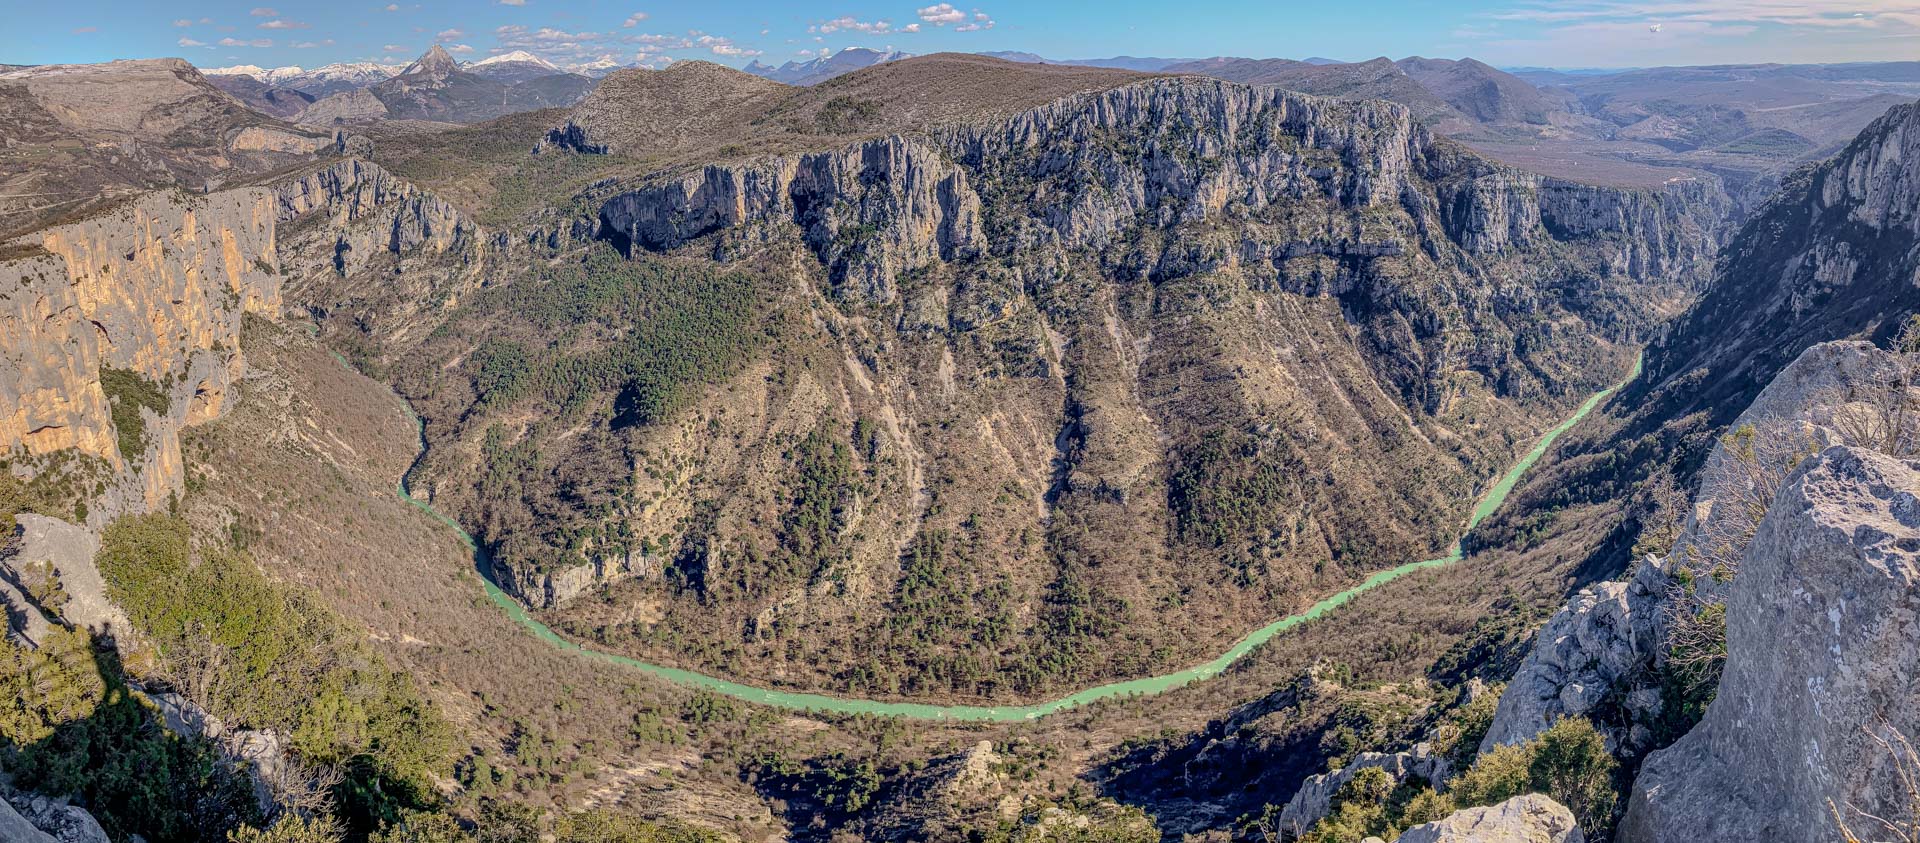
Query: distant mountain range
x=825 y=67
x=433 y=87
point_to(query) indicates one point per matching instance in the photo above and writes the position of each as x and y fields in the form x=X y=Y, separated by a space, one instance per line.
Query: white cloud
x=459 y=48
x=393 y=48
x=980 y=21
x=189 y=42
x=849 y=23
x=912 y=27
x=236 y=42
x=264 y=12
x=634 y=19
x=308 y=45
x=393 y=7
x=183 y=22
x=513 y=2
x=941 y=14
x=449 y=35
x=720 y=46
x=283 y=24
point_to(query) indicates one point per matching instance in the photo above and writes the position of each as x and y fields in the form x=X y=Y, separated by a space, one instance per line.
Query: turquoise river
x=1147 y=685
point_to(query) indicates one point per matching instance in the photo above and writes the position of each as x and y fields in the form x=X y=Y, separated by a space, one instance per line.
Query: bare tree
x=1903 y=824
x=300 y=788
x=1758 y=460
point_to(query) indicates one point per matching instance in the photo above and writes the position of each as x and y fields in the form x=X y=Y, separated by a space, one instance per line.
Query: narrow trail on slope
x=1147 y=685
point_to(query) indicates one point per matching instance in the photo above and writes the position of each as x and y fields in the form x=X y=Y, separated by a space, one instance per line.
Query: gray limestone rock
x=1823 y=640
x=1532 y=818
x=49 y=547
x=63 y=822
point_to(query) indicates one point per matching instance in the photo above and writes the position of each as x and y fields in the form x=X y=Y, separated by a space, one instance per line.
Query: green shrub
x=69 y=725
x=1568 y=762
x=127 y=392
x=290 y=828
x=260 y=655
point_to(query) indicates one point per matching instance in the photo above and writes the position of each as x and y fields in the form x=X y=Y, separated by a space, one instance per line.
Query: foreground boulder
x=1532 y=818
x=1823 y=640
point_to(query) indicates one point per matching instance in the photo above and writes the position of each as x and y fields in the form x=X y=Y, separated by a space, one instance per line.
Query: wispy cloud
x=264 y=12
x=1616 y=32
x=189 y=42
x=634 y=19
x=283 y=24
x=237 y=42
x=449 y=35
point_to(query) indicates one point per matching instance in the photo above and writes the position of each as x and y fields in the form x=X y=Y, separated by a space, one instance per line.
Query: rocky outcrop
x=1819 y=689
x=1602 y=645
x=1609 y=642
x=1314 y=799
x=158 y=288
x=1523 y=819
x=260 y=752
x=15 y=828
x=63 y=822
x=49 y=555
x=266 y=139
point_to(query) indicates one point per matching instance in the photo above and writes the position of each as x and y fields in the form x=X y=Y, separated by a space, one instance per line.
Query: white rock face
x=51 y=547
x=1606 y=637
x=15 y=828
x=60 y=821
x=1823 y=670
x=1609 y=639
x=1523 y=819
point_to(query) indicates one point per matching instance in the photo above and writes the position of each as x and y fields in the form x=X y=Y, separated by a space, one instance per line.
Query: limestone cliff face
x=1089 y=169
x=870 y=212
x=1818 y=695
x=358 y=231
x=157 y=287
x=370 y=211
x=1610 y=640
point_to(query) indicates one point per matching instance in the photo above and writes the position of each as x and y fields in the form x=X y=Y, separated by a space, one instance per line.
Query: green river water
x=1147 y=685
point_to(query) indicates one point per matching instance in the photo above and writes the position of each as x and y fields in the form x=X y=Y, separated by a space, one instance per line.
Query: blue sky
x=1576 y=33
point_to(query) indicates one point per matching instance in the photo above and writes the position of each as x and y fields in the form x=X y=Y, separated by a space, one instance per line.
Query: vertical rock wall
x=158 y=287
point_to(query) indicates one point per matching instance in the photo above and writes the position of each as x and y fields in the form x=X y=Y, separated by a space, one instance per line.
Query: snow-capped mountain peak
x=517 y=56
x=264 y=74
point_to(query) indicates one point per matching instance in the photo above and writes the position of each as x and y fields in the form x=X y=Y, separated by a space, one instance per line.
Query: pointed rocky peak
x=436 y=62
